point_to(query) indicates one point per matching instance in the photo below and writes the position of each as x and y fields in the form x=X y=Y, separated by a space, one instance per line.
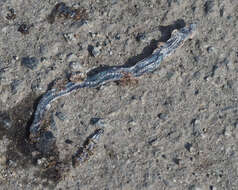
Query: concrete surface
x=176 y=129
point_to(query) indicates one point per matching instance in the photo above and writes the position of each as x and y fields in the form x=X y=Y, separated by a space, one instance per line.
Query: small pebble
x=43 y=59
x=30 y=62
x=68 y=141
x=94 y=120
x=5 y=121
x=176 y=160
x=15 y=58
x=194 y=122
x=211 y=187
x=105 y=43
x=76 y=66
x=96 y=51
x=229 y=17
x=24 y=29
x=60 y=115
x=97 y=121
x=221 y=12
x=69 y=37
x=14 y=85
x=140 y=37
x=152 y=140
x=196 y=92
x=193 y=8
x=188 y=146
x=210 y=49
x=93 y=51
x=208 y=6
x=117 y=36
x=163 y=116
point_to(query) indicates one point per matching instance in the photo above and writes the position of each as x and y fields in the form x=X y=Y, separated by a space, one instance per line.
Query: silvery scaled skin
x=146 y=65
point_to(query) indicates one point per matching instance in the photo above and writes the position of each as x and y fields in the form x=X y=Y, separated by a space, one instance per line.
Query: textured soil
x=176 y=128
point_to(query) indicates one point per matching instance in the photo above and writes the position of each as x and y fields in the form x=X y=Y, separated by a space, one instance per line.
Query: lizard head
x=189 y=31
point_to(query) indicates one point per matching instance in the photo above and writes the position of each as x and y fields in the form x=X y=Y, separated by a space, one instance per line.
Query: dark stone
x=164 y=156
x=30 y=62
x=196 y=58
x=151 y=141
x=176 y=160
x=104 y=43
x=193 y=8
x=93 y=51
x=140 y=36
x=198 y=44
x=162 y=116
x=117 y=37
x=211 y=187
x=97 y=44
x=222 y=12
x=24 y=29
x=5 y=121
x=68 y=141
x=188 y=146
x=210 y=49
x=193 y=121
x=43 y=59
x=229 y=17
x=196 y=92
x=94 y=120
x=168 y=101
x=208 y=6
x=133 y=97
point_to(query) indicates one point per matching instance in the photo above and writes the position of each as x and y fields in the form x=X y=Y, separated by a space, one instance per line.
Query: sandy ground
x=176 y=129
